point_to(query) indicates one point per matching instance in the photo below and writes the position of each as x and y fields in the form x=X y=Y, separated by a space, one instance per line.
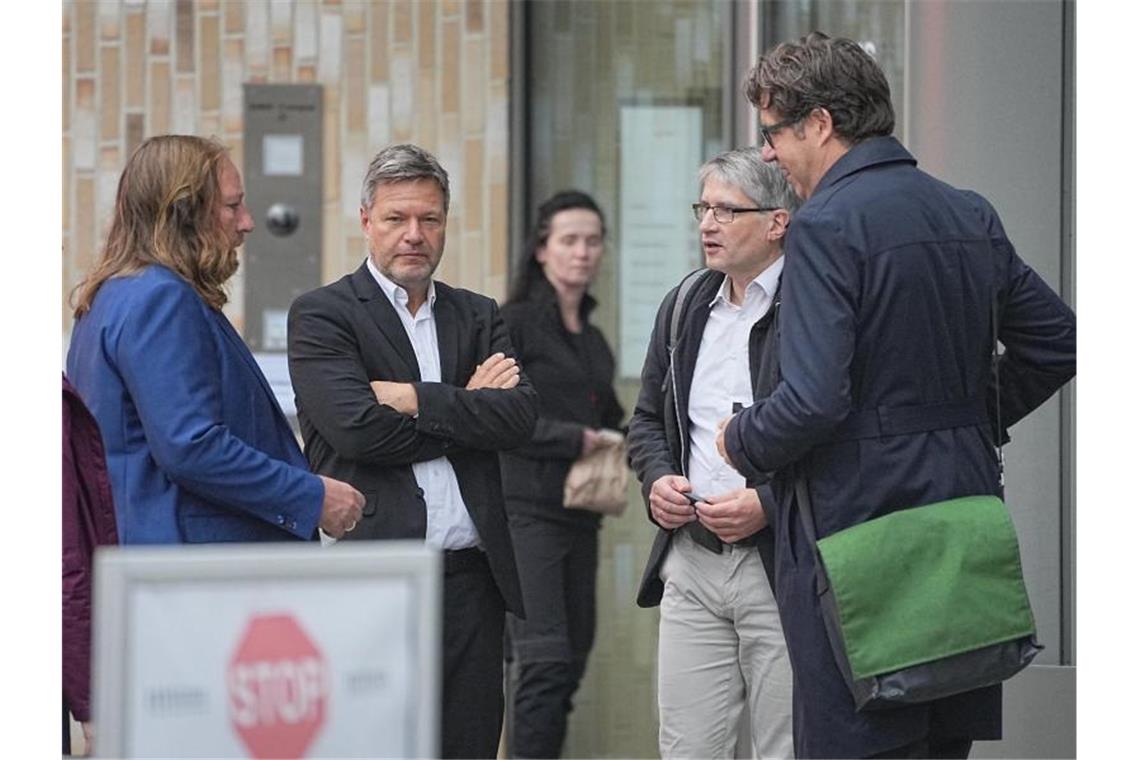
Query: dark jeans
x=931 y=747
x=473 y=612
x=558 y=567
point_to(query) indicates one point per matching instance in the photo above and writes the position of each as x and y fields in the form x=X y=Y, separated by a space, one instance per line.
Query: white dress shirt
x=722 y=377
x=449 y=524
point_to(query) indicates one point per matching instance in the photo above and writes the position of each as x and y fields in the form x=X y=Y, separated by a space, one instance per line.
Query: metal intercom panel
x=283 y=186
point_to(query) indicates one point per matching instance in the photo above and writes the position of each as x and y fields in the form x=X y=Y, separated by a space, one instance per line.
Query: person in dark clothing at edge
x=88 y=522
x=570 y=364
x=891 y=281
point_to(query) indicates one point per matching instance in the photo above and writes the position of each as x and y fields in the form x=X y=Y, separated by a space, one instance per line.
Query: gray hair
x=762 y=182
x=403 y=163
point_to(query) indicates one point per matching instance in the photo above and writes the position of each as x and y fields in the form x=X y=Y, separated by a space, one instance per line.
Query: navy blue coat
x=888 y=284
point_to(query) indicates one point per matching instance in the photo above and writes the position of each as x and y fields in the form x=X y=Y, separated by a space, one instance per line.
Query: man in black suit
x=407 y=389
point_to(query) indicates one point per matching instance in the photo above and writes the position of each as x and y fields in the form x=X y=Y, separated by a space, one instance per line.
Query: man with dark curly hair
x=887 y=398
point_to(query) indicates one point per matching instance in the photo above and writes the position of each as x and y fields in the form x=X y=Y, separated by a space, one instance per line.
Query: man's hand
x=497 y=371
x=668 y=504
x=734 y=515
x=720 y=440
x=400 y=396
x=342 y=508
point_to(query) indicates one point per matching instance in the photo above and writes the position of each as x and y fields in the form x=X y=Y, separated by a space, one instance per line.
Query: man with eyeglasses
x=721 y=649
x=894 y=284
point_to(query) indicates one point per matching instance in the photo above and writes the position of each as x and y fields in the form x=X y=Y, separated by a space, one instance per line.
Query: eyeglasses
x=766 y=132
x=724 y=214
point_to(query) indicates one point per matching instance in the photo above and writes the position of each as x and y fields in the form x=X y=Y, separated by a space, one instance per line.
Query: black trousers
x=473 y=614
x=931 y=747
x=558 y=567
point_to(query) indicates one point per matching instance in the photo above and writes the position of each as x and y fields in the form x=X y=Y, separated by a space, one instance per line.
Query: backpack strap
x=679 y=305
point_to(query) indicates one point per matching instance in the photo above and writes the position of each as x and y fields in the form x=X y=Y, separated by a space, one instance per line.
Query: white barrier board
x=250 y=650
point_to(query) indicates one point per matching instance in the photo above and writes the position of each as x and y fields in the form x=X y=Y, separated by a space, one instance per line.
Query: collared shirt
x=722 y=377
x=449 y=525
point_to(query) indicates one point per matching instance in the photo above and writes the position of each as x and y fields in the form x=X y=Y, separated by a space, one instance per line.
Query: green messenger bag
x=924 y=603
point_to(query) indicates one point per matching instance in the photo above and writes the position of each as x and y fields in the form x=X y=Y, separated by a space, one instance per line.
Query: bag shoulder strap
x=679 y=305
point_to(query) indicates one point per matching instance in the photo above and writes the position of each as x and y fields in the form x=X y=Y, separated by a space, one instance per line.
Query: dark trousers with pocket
x=473 y=614
x=558 y=568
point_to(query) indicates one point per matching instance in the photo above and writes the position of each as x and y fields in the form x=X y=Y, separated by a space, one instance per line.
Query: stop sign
x=278 y=686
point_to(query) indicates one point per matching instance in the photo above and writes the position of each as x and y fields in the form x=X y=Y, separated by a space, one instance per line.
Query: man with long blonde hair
x=198 y=449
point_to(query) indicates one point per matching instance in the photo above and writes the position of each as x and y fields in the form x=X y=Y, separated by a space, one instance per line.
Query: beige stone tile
x=472 y=184
x=134 y=60
x=329 y=58
x=109 y=102
x=473 y=82
x=85 y=224
x=355 y=157
x=282 y=64
x=474 y=13
x=281 y=22
x=209 y=64
x=185 y=111
x=257 y=41
x=109 y=20
x=158 y=110
x=306 y=74
x=84 y=36
x=378 y=39
x=499 y=212
x=402 y=86
x=355 y=100
x=448 y=270
x=233 y=74
x=107 y=181
x=65 y=83
x=332 y=140
x=449 y=67
x=498 y=114
x=426 y=30
x=451 y=8
x=471 y=261
x=305 y=24
x=355 y=14
x=184 y=36
x=379 y=118
x=158 y=25
x=209 y=124
x=332 y=244
x=401 y=21
x=65 y=163
x=83 y=124
x=135 y=132
x=427 y=116
x=499 y=13
x=235 y=16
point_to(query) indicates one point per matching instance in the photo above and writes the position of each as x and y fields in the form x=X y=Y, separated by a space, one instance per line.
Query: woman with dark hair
x=568 y=361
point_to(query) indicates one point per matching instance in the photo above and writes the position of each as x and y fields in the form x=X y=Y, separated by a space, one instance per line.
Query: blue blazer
x=197 y=448
x=887 y=399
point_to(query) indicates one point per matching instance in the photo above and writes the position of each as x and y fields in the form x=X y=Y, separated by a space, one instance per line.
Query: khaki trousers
x=721 y=647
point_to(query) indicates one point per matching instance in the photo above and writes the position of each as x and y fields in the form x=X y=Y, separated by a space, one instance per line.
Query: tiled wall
x=433 y=72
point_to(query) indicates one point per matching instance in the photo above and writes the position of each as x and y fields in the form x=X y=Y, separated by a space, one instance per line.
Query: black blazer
x=574 y=376
x=346 y=334
x=659 y=436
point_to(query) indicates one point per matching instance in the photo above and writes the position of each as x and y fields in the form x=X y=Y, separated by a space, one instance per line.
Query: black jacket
x=659 y=428
x=574 y=376
x=346 y=334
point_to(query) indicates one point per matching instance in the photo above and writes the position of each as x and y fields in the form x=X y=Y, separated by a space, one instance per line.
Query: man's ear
x=364 y=220
x=824 y=128
x=778 y=224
